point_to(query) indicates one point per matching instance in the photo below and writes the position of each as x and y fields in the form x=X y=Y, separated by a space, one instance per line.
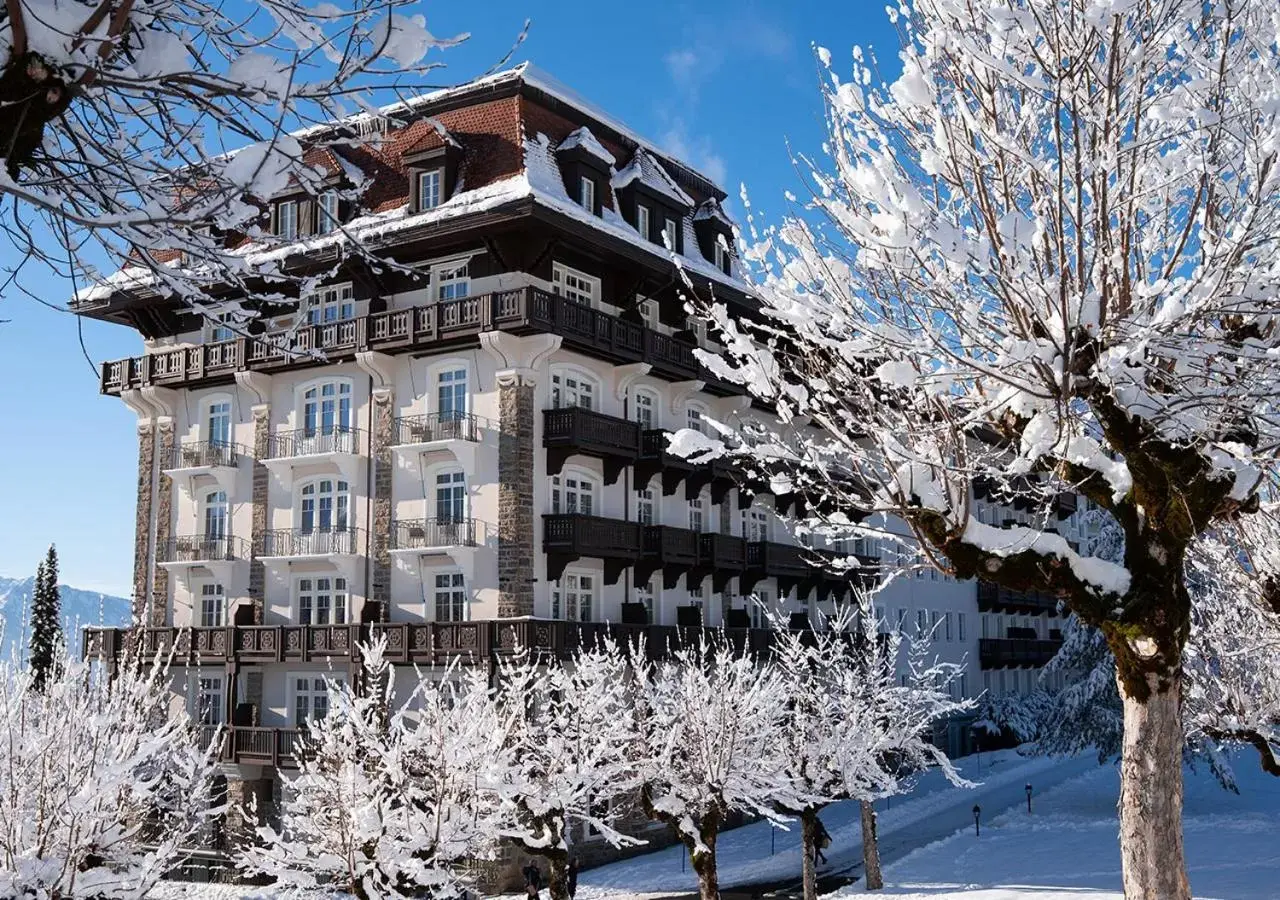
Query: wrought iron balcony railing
x=200 y=454
x=312 y=442
x=279 y=542
x=194 y=548
x=448 y=426
x=424 y=534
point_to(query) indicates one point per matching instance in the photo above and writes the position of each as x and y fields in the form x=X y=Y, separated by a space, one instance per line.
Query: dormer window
x=642 y=221
x=451 y=280
x=587 y=194
x=722 y=255
x=287 y=219
x=430 y=189
x=327 y=212
x=669 y=234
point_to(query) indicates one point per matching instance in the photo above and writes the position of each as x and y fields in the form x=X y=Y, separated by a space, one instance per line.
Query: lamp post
x=1028 y=798
x=977 y=820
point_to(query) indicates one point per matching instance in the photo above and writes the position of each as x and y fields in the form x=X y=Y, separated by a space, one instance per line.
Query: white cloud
x=696 y=151
x=682 y=65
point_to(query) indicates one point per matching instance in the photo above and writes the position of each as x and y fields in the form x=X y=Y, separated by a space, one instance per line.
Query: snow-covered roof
x=711 y=209
x=587 y=141
x=649 y=172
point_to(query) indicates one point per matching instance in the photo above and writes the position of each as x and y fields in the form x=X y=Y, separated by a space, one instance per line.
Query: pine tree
x=46 y=622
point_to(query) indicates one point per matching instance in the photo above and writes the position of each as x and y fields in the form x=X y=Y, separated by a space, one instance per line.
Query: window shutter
x=306 y=217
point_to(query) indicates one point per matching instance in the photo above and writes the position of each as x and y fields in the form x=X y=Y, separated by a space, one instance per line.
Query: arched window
x=451 y=495
x=451 y=393
x=216 y=515
x=646 y=409
x=326 y=408
x=326 y=506
x=571 y=388
x=573 y=492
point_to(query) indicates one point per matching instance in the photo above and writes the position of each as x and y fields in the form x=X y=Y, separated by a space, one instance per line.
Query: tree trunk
x=704 y=862
x=870 y=847
x=808 y=839
x=1151 y=852
x=558 y=876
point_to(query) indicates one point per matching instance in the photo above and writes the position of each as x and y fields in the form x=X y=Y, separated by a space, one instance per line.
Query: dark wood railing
x=312 y=441
x=585 y=428
x=779 y=560
x=1003 y=653
x=297 y=542
x=447 y=426
x=201 y=548
x=197 y=454
x=994 y=598
x=423 y=534
x=417 y=329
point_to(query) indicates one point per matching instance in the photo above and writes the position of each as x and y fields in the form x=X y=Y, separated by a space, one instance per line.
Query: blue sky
x=724 y=85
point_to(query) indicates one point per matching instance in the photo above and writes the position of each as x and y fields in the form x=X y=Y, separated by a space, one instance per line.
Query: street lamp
x=977 y=820
x=1028 y=797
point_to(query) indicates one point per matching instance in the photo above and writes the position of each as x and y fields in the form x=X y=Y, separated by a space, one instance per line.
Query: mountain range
x=79 y=609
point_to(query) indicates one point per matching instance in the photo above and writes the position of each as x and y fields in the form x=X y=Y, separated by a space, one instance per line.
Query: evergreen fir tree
x=46 y=622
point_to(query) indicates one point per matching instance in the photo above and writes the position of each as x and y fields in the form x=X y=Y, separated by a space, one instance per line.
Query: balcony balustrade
x=302 y=442
x=295 y=542
x=416 y=330
x=1016 y=653
x=655 y=458
x=723 y=556
x=673 y=550
x=575 y=430
x=569 y=537
x=994 y=598
x=448 y=426
x=427 y=534
x=201 y=548
x=204 y=455
x=264 y=746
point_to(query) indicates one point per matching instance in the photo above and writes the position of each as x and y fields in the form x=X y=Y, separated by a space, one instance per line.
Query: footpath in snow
x=1067 y=849
x=757 y=854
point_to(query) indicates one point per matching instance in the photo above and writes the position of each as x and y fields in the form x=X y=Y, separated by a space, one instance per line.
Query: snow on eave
x=587 y=141
x=711 y=209
x=645 y=167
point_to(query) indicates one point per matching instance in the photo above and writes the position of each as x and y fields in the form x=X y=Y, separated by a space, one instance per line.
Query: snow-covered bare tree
x=148 y=131
x=1043 y=260
x=573 y=746
x=393 y=794
x=712 y=727
x=855 y=730
x=103 y=782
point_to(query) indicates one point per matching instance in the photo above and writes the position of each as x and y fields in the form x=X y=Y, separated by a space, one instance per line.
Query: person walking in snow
x=821 y=841
x=532 y=880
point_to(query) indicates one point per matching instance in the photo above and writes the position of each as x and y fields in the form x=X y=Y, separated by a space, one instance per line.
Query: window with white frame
x=647 y=505
x=695 y=418
x=321 y=600
x=325 y=506
x=755 y=524
x=430 y=189
x=573 y=493
x=327 y=212
x=213 y=605
x=669 y=234
x=571 y=389
x=451 y=496
x=574 y=285
x=310 y=695
x=210 y=700
x=451 y=394
x=721 y=254
x=643 y=218
x=326 y=408
x=587 y=193
x=699 y=329
x=646 y=595
x=697 y=515
x=645 y=407
x=218 y=330
x=573 y=597
x=451 y=280
x=649 y=314
x=757 y=608
x=287 y=219
x=450 y=596
x=218 y=422
x=216 y=515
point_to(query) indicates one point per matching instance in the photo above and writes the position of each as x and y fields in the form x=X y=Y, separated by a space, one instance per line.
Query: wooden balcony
x=673 y=550
x=723 y=557
x=654 y=459
x=788 y=563
x=993 y=598
x=244 y=643
x=575 y=430
x=1016 y=653
x=567 y=538
x=420 y=329
x=262 y=746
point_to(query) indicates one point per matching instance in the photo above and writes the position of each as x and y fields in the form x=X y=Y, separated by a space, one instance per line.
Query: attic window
x=587 y=194
x=287 y=219
x=669 y=234
x=327 y=208
x=430 y=189
x=642 y=221
x=721 y=254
